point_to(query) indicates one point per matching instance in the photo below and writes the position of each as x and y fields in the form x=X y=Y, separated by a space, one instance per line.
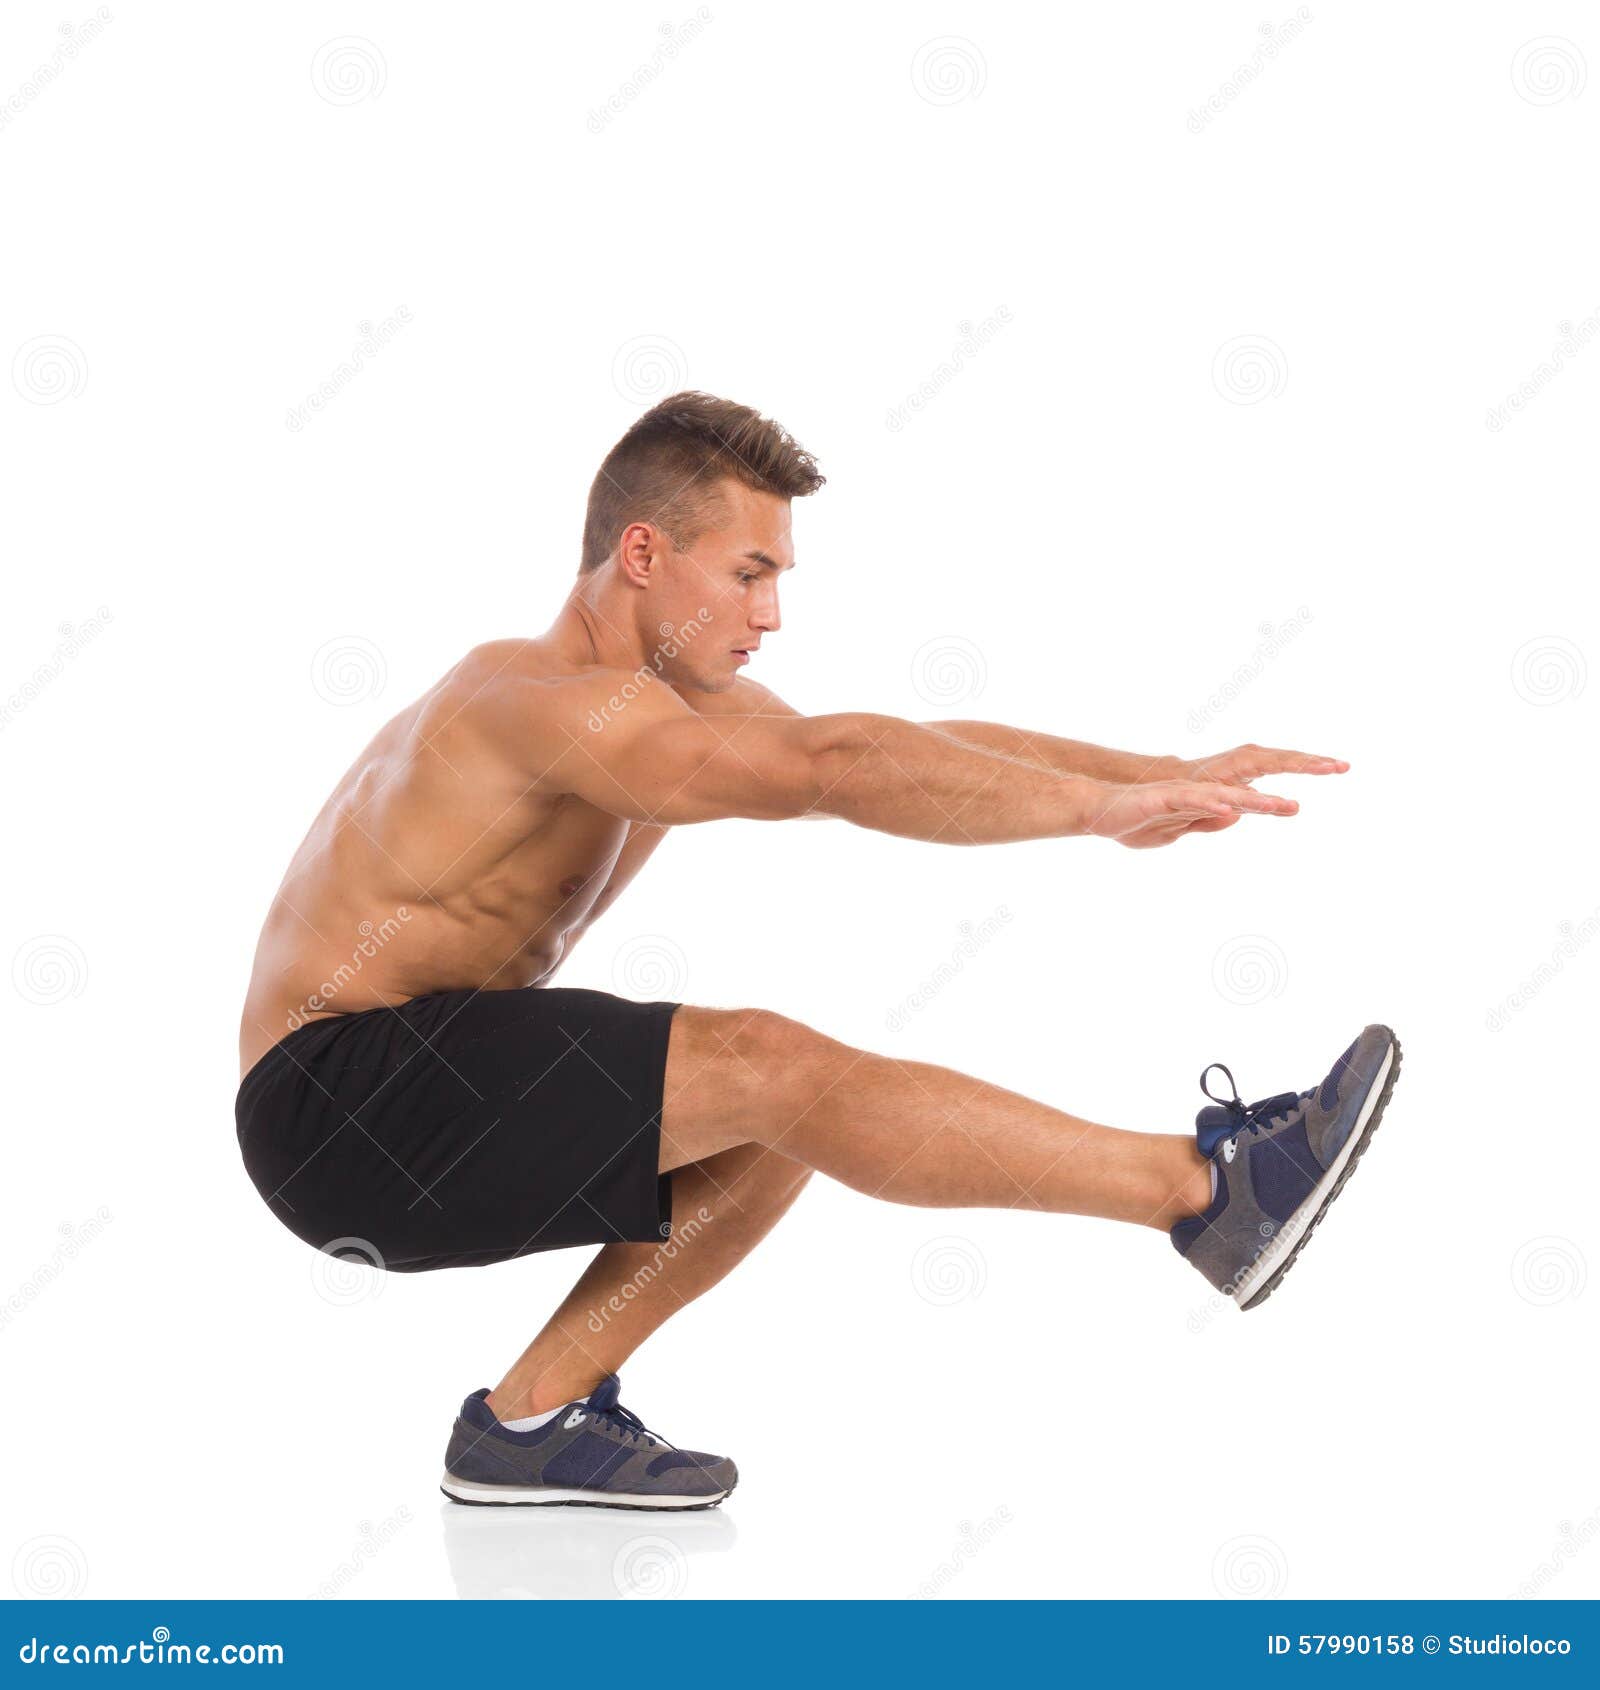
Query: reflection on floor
x=590 y=1552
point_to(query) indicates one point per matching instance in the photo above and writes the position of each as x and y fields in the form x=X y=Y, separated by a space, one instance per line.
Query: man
x=416 y=1092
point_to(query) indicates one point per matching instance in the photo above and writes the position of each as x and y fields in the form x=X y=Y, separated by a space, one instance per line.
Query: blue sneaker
x=1279 y=1164
x=592 y=1453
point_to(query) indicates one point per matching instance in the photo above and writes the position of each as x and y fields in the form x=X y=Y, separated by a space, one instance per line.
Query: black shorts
x=465 y=1127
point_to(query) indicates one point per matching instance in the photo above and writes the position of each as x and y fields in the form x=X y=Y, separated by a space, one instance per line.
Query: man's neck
x=593 y=627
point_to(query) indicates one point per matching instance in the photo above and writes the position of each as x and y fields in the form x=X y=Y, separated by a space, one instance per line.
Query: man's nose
x=764 y=612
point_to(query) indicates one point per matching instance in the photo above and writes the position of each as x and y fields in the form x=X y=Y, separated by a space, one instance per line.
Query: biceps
x=680 y=772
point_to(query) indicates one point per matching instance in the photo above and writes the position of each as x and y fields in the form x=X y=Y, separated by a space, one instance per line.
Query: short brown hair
x=665 y=468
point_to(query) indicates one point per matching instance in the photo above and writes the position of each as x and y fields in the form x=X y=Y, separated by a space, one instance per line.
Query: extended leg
x=908 y=1131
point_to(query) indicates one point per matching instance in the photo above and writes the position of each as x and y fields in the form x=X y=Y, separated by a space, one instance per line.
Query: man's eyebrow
x=756 y=556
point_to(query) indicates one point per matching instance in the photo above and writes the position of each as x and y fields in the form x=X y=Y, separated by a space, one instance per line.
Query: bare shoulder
x=540 y=713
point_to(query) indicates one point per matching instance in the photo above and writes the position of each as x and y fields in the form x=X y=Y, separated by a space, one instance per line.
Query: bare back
x=436 y=864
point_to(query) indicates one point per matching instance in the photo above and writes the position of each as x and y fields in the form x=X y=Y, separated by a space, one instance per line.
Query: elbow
x=840 y=759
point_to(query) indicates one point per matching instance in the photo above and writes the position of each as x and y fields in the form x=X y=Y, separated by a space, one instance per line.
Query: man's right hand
x=1142 y=817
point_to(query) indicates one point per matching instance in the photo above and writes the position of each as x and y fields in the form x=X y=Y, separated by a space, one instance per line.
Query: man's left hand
x=1246 y=763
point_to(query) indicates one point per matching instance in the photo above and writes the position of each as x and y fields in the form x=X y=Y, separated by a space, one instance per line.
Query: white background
x=1083 y=527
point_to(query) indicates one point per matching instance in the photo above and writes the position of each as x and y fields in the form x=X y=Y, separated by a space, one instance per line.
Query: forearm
x=898 y=777
x=1061 y=756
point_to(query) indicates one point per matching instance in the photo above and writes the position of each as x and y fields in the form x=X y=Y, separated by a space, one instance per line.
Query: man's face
x=719 y=596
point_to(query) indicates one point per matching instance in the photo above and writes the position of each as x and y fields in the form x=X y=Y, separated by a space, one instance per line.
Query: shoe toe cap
x=692 y=1472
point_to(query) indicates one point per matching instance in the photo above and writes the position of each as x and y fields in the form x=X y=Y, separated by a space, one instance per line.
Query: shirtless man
x=415 y=1092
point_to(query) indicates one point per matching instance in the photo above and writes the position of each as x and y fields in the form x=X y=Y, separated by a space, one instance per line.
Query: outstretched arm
x=656 y=760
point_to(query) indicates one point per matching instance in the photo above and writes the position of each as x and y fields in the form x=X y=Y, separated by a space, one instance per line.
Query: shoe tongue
x=1212 y=1125
x=605 y=1395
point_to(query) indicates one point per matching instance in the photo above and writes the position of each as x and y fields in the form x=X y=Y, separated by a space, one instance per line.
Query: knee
x=747 y=1068
x=769 y=1046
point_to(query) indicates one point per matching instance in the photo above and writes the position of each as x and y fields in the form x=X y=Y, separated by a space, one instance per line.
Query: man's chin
x=707 y=683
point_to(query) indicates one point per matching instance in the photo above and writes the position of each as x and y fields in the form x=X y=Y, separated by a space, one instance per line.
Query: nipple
x=573 y=883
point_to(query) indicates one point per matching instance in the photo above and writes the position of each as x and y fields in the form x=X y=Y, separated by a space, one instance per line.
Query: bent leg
x=722 y=1207
x=909 y=1131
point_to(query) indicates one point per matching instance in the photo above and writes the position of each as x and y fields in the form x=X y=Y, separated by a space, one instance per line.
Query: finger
x=1246 y=798
x=1199 y=799
x=1268 y=760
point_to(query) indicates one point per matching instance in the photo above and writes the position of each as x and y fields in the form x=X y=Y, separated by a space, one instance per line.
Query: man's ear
x=639 y=552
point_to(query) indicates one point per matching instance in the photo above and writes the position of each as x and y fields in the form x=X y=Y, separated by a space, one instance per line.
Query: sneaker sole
x=1280 y=1255
x=545 y=1496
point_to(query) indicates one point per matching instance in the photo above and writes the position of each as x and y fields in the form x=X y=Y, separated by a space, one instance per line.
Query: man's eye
x=747 y=579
